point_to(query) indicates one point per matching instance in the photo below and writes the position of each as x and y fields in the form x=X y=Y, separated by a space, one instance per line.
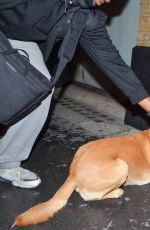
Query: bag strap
x=70 y=42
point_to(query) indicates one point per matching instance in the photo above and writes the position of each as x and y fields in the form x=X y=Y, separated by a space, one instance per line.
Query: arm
x=145 y=103
x=97 y=44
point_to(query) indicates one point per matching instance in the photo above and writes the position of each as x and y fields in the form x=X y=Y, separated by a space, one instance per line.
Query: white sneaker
x=20 y=177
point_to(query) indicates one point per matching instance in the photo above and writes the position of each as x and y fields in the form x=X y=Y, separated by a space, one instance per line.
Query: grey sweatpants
x=16 y=145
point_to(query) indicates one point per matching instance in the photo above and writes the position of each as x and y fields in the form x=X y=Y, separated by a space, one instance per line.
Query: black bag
x=22 y=86
x=35 y=27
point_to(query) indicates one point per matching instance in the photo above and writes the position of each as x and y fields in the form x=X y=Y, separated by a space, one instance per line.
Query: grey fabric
x=16 y=145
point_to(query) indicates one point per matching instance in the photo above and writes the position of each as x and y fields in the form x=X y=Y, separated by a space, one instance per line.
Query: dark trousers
x=135 y=116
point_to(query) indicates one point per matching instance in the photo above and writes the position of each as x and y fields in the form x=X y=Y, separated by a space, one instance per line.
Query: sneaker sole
x=30 y=184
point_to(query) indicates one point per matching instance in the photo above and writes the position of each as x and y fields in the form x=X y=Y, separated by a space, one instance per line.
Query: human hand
x=100 y=2
x=145 y=104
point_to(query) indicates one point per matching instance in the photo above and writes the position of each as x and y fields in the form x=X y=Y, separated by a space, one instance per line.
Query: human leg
x=17 y=143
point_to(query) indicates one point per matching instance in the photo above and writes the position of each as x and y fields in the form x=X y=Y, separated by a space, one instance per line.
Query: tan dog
x=97 y=171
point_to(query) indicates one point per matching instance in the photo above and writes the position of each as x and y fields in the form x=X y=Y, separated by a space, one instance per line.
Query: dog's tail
x=42 y=212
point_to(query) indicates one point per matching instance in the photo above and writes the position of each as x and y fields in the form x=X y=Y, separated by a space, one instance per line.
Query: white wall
x=123 y=29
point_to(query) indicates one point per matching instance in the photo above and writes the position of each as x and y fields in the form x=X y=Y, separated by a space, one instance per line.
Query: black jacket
x=35 y=20
x=23 y=19
x=45 y=21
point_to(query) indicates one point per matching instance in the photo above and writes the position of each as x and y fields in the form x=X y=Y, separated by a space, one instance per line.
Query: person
x=17 y=143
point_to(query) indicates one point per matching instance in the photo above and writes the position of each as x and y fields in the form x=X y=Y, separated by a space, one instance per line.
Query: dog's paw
x=115 y=193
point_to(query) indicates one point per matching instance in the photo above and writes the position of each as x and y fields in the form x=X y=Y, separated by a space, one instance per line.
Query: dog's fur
x=97 y=171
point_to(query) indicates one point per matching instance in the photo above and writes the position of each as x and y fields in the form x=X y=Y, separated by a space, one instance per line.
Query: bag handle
x=11 y=51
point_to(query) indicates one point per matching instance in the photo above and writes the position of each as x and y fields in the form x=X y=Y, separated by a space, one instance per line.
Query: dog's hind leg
x=107 y=182
x=88 y=196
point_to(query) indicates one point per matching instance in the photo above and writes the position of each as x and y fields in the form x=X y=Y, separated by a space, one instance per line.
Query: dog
x=98 y=170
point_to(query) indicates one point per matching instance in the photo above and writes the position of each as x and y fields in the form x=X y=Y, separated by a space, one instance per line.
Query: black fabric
x=20 y=21
x=23 y=87
x=89 y=3
x=52 y=64
x=96 y=43
x=40 y=21
x=135 y=116
x=7 y=4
